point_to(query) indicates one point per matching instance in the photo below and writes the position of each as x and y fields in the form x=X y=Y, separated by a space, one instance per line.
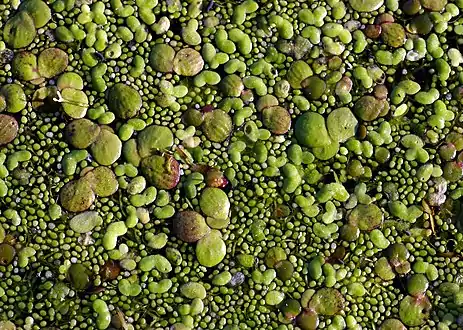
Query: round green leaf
x=366 y=5
x=326 y=152
x=45 y=98
x=341 y=124
x=392 y=324
x=327 y=301
x=19 y=30
x=154 y=138
x=38 y=10
x=74 y=102
x=124 y=101
x=434 y=5
x=162 y=58
x=85 y=222
x=211 y=249
x=103 y=181
x=414 y=311
x=70 y=80
x=79 y=276
x=107 y=148
x=52 y=62
x=15 y=98
x=161 y=171
x=298 y=71
x=417 y=285
x=214 y=203
x=310 y=130
x=77 y=196
x=7 y=254
x=81 y=133
x=308 y=320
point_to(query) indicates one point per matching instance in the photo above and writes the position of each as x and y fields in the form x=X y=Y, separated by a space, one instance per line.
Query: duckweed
x=231 y=164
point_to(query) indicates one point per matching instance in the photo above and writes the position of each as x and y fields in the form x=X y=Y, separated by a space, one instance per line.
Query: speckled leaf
x=190 y=226
x=52 y=62
x=232 y=85
x=366 y=217
x=7 y=325
x=217 y=125
x=277 y=119
x=81 y=133
x=188 y=62
x=327 y=301
x=8 y=129
x=368 y=108
x=414 y=311
x=103 y=181
x=341 y=124
x=124 y=101
x=19 y=30
x=393 y=34
x=24 y=66
x=161 y=171
x=77 y=196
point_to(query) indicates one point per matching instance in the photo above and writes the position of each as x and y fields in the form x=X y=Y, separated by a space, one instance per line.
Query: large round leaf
x=414 y=311
x=211 y=249
x=107 y=148
x=154 y=138
x=327 y=301
x=366 y=217
x=341 y=124
x=19 y=30
x=310 y=130
x=214 y=203
x=124 y=101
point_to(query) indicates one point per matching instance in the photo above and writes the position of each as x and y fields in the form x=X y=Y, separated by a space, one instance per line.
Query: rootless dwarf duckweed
x=235 y=165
